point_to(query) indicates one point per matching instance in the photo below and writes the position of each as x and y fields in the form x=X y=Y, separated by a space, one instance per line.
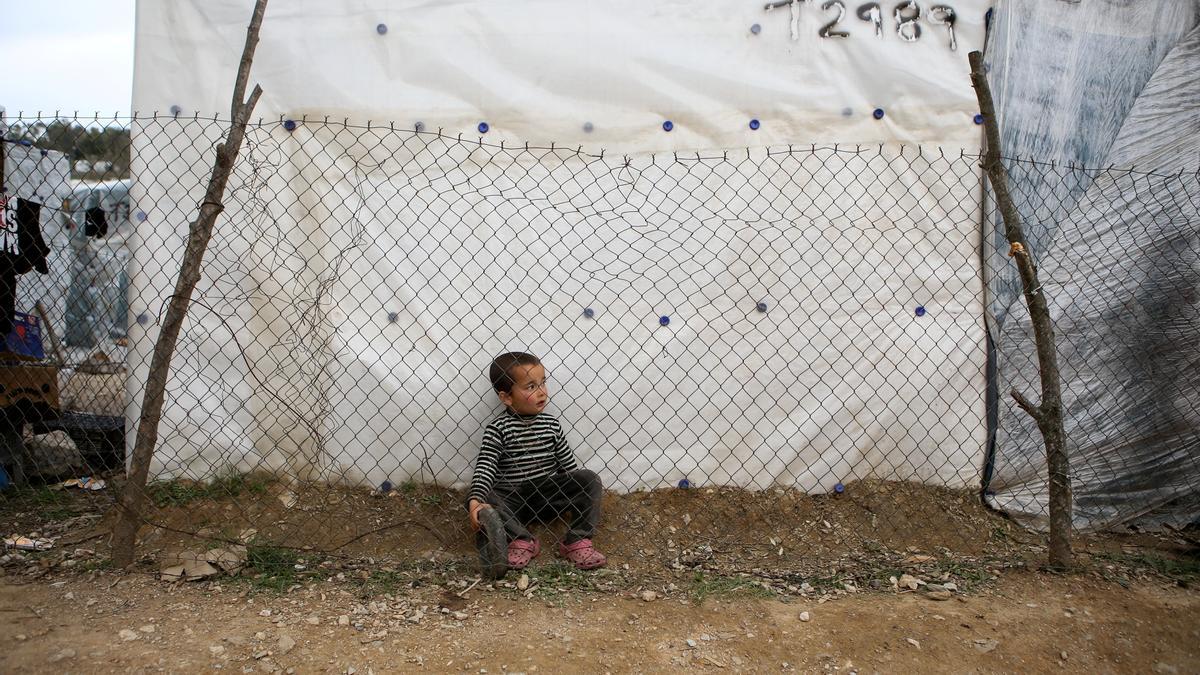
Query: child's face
x=528 y=396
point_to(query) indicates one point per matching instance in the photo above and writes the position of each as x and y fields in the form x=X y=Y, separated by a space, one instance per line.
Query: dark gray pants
x=545 y=499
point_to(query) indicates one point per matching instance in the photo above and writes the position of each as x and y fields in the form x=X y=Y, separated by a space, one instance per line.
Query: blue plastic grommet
x=419 y=126
x=143 y=319
x=878 y=113
x=290 y=125
x=393 y=317
x=385 y=487
x=668 y=125
x=684 y=483
x=175 y=110
x=979 y=118
x=25 y=142
x=756 y=29
x=45 y=152
x=664 y=320
x=762 y=307
x=839 y=488
x=141 y=216
x=588 y=312
x=920 y=311
x=381 y=29
x=754 y=125
x=483 y=127
x=587 y=127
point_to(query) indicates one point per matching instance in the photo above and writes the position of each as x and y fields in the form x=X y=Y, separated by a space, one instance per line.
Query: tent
x=750 y=248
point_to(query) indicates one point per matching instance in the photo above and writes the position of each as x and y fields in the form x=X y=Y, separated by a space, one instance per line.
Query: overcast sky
x=66 y=55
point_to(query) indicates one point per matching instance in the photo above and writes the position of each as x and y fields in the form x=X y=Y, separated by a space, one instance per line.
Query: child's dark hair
x=503 y=365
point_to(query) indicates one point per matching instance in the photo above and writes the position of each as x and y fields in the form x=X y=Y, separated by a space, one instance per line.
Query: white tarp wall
x=289 y=360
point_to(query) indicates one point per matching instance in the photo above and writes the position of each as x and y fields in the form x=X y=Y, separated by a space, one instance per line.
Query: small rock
x=148 y=628
x=216 y=650
x=460 y=616
x=344 y=620
x=316 y=621
x=950 y=586
x=69 y=596
x=260 y=654
x=909 y=581
x=985 y=646
x=127 y=635
x=1165 y=668
x=523 y=582
x=649 y=596
x=63 y=654
x=691 y=643
x=260 y=635
x=265 y=612
x=913 y=642
x=286 y=643
x=805 y=617
x=938 y=595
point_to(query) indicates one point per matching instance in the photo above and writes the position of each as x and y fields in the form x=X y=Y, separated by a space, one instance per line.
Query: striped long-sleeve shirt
x=517 y=448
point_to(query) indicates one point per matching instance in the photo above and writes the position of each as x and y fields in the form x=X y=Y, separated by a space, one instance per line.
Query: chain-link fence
x=770 y=355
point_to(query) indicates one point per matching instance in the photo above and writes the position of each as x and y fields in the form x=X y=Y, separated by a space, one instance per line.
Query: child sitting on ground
x=526 y=470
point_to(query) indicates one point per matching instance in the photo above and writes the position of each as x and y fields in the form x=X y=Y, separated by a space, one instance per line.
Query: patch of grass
x=703 y=587
x=49 y=502
x=181 y=492
x=1186 y=570
x=94 y=564
x=432 y=499
x=559 y=579
x=275 y=567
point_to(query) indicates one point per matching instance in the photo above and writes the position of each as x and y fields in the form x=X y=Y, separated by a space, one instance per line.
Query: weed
x=94 y=564
x=1178 y=569
x=276 y=567
x=432 y=499
x=49 y=502
x=703 y=587
x=230 y=483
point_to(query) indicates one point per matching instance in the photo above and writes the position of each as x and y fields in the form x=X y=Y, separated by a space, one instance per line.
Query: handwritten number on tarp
x=941 y=15
x=827 y=30
x=907 y=15
x=908 y=21
x=870 y=12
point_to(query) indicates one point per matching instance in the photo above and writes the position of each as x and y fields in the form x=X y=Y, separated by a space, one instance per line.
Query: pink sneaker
x=582 y=554
x=521 y=552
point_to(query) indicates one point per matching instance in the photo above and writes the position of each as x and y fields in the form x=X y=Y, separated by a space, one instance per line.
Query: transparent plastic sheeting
x=346 y=232
x=1119 y=255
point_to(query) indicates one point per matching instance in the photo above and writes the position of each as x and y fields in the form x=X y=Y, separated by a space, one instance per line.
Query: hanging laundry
x=22 y=249
x=95 y=222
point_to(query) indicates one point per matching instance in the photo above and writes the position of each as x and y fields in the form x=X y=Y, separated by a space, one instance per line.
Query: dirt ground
x=1026 y=622
x=336 y=579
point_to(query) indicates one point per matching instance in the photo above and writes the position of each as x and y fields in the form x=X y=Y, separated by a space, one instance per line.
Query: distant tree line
x=103 y=150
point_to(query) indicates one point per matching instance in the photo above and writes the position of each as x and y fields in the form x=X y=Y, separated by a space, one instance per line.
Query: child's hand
x=476 y=506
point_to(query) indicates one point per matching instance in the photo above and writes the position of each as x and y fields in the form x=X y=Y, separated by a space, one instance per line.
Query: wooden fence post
x=1048 y=415
x=133 y=497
